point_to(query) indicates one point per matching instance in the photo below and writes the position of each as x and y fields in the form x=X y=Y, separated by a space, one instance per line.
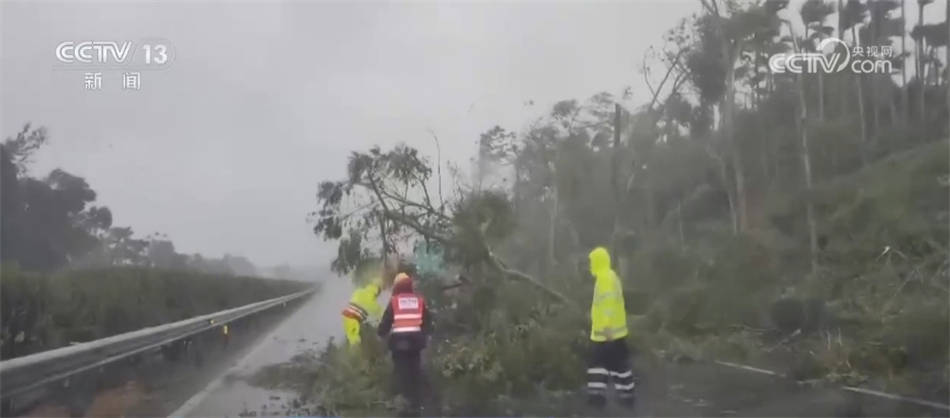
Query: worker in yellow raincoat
x=361 y=309
x=609 y=355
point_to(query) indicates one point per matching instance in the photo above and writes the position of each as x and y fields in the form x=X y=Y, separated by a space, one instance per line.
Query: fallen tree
x=385 y=203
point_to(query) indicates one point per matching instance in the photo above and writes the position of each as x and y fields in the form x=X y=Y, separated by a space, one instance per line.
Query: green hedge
x=41 y=312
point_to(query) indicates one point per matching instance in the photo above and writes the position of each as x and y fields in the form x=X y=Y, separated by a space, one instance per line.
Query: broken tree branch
x=416 y=226
x=499 y=265
x=381 y=193
x=645 y=70
x=510 y=273
x=438 y=150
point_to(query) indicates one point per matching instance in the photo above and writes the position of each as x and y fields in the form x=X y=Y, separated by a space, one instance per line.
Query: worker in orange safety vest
x=408 y=323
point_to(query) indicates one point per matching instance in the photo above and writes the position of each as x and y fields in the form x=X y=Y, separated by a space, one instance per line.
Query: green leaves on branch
x=383 y=200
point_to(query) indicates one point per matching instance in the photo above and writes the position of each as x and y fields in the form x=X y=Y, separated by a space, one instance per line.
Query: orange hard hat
x=401 y=277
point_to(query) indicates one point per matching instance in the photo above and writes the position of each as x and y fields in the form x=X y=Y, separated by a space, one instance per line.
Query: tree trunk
x=809 y=206
x=934 y=66
x=895 y=119
x=730 y=53
x=728 y=127
x=806 y=168
x=921 y=71
x=490 y=258
x=513 y=274
x=821 y=88
x=755 y=85
x=382 y=217
x=861 y=117
x=905 y=98
x=679 y=222
x=619 y=192
x=650 y=198
x=516 y=188
x=384 y=237
x=552 y=231
x=842 y=92
x=875 y=111
x=724 y=175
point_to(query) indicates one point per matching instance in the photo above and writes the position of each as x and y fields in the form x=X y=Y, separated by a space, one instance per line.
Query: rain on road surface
x=307 y=328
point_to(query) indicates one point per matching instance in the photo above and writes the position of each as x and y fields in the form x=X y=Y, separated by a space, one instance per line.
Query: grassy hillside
x=41 y=311
x=876 y=310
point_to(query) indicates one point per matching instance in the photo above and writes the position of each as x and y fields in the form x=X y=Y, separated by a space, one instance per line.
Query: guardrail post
x=197 y=348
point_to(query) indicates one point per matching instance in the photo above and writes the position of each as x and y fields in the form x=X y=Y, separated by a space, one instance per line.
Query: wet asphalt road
x=308 y=328
x=709 y=390
x=713 y=390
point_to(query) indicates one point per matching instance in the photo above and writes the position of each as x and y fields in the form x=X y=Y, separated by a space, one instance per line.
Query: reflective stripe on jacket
x=354 y=311
x=363 y=304
x=407 y=313
x=608 y=315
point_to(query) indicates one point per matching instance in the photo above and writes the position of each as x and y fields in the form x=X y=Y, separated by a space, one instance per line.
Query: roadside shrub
x=660 y=268
x=523 y=346
x=921 y=331
x=683 y=309
x=41 y=311
x=24 y=312
x=345 y=382
x=808 y=315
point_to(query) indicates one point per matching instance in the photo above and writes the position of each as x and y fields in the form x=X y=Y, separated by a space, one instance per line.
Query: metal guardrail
x=22 y=374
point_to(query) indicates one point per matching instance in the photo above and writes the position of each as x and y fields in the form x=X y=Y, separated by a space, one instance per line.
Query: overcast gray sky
x=223 y=150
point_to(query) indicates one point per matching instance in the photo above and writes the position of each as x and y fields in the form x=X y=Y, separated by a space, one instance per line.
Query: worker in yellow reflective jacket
x=361 y=309
x=609 y=355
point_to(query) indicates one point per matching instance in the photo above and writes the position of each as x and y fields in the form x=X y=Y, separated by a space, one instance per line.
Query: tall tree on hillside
x=849 y=18
x=920 y=43
x=905 y=91
x=934 y=37
x=803 y=125
x=730 y=39
x=813 y=14
x=877 y=34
